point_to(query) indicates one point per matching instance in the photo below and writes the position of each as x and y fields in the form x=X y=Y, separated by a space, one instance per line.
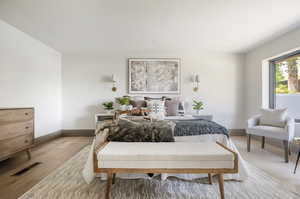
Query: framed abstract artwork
x=154 y=75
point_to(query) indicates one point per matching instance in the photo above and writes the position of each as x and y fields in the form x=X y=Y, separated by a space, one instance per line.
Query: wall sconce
x=195 y=82
x=114 y=80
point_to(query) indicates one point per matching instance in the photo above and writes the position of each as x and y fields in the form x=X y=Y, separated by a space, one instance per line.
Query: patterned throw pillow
x=157 y=109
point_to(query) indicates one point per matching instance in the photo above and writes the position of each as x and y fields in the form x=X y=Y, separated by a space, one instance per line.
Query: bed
x=195 y=130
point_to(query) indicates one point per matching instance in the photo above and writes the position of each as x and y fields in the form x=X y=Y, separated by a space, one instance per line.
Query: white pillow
x=157 y=109
x=273 y=117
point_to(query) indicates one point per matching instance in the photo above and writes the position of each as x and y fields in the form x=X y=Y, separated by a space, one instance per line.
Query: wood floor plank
x=52 y=155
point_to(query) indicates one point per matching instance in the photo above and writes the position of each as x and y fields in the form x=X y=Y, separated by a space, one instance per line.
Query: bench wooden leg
x=248 y=142
x=263 y=139
x=209 y=178
x=28 y=154
x=221 y=185
x=109 y=185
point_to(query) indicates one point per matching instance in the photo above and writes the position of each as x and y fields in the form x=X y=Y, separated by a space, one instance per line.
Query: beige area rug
x=67 y=183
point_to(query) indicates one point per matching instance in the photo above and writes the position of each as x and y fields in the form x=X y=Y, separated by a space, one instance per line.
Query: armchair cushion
x=273 y=117
x=269 y=131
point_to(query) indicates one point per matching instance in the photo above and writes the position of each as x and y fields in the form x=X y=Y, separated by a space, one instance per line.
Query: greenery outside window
x=285 y=83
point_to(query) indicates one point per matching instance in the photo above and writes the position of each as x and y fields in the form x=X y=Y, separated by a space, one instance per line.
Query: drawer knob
x=26 y=113
x=27 y=127
x=26 y=141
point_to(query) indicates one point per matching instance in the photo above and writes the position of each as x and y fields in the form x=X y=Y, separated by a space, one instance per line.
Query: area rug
x=67 y=183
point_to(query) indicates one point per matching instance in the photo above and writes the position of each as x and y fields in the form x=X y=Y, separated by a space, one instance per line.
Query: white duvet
x=89 y=175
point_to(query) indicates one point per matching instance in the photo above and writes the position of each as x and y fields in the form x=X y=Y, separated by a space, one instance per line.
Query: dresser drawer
x=13 y=145
x=15 y=115
x=11 y=130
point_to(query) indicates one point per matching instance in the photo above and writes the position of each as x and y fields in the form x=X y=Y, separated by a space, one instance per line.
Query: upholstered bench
x=166 y=157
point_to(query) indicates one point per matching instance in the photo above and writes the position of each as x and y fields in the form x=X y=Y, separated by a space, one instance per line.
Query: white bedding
x=89 y=174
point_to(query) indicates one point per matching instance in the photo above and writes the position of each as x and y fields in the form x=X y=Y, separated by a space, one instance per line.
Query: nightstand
x=103 y=117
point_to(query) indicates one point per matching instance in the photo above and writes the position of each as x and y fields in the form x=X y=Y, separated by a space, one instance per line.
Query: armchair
x=286 y=134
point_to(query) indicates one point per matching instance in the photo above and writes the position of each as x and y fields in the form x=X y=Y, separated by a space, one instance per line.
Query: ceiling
x=98 y=26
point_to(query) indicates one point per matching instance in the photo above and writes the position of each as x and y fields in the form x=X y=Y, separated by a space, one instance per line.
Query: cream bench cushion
x=167 y=155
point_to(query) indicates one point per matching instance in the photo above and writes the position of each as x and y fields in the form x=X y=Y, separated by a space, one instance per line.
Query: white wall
x=30 y=76
x=85 y=83
x=291 y=102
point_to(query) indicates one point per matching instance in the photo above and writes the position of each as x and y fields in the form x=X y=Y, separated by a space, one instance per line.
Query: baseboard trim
x=47 y=138
x=237 y=132
x=64 y=133
x=78 y=133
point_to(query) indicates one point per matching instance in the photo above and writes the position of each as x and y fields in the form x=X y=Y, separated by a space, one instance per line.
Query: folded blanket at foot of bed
x=126 y=130
x=142 y=131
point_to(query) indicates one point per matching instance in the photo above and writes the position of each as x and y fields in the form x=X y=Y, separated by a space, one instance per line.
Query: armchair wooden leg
x=298 y=157
x=263 y=139
x=248 y=142
x=286 y=150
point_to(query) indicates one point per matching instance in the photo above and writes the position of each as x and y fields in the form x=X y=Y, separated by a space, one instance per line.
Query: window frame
x=272 y=78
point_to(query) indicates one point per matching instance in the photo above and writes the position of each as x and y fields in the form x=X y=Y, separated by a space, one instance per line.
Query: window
x=285 y=83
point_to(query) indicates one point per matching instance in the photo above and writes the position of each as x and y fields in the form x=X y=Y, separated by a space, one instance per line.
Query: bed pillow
x=172 y=107
x=157 y=109
x=273 y=117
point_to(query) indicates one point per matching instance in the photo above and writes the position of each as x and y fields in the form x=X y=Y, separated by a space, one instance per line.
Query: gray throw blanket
x=141 y=131
x=198 y=127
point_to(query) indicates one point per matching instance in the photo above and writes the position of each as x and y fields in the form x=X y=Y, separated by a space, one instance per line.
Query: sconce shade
x=114 y=78
x=196 y=82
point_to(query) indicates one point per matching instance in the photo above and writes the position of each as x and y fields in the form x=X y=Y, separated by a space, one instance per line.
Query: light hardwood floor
x=56 y=152
x=52 y=155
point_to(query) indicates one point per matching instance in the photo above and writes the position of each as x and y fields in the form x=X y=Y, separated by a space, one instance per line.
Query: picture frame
x=154 y=76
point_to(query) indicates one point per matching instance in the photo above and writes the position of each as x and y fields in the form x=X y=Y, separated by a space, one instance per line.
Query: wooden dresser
x=16 y=131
